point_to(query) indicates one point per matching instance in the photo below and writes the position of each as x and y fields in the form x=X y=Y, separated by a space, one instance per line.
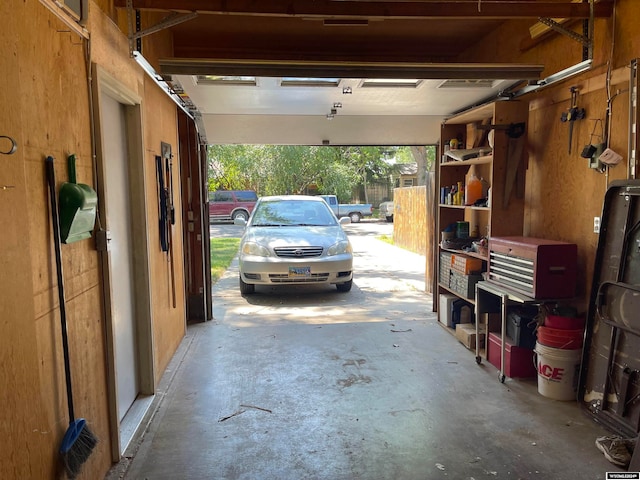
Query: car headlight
x=252 y=248
x=341 y=247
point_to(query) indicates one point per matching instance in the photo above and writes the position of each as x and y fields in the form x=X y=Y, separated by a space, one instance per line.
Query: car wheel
x=240 y=214
x=390 y=218
x=344 y=287
x=355 y=217
x=246 y=288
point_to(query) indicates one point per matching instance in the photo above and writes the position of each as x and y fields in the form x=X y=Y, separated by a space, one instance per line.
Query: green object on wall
x=78 y=203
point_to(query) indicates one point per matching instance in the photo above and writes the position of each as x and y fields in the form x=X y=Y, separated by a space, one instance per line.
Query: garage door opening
x=355 y=175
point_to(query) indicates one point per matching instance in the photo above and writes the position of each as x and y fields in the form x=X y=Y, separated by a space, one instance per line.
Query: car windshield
x=279 y=213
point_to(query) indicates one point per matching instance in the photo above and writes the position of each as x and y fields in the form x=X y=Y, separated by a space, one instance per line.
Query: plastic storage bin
x=446 y=309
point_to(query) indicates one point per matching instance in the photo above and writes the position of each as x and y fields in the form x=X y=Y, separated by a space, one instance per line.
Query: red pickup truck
x=231 y=204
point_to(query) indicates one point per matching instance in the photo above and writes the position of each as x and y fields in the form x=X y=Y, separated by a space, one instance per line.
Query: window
x=247 y=196
x=407 y=182
x=223 y=197
x=226 y=80
x=309 y=82
x=391 y=82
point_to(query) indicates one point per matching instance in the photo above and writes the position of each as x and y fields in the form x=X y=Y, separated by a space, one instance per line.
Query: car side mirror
x=240 y=222
x=344 y=220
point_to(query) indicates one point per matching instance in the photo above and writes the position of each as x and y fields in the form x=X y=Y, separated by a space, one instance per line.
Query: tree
x=282 y=169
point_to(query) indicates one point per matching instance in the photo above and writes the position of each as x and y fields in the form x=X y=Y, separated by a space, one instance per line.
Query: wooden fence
x=414 y=223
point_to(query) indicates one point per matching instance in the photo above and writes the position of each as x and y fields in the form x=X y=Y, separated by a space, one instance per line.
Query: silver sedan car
x=294 y=239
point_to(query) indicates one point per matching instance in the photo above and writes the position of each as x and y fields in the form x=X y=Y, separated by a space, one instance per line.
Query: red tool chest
x=536 y=267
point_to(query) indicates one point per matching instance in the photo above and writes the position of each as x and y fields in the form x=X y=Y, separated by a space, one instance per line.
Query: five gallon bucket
x=557 y=371
x=560 y=337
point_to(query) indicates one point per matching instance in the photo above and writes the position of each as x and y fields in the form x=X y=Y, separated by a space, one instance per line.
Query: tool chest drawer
x=536 y=267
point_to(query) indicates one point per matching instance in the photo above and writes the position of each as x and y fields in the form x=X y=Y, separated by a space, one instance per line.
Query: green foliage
x=223 y=251
x=289 y=169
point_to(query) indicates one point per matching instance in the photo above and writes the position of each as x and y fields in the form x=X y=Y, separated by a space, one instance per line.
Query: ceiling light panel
x=309 y=82
x=391 y=82
x=226 y=80
x=465 y=83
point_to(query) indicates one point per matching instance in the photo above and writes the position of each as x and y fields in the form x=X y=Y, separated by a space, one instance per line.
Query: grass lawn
x=223 y=250
x=386 y=238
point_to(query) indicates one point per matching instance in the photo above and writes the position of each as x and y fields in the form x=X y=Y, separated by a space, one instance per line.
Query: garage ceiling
x=350 y=43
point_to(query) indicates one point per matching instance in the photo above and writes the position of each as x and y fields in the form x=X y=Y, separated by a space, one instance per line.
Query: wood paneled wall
x=562 y=194
x=45 y=101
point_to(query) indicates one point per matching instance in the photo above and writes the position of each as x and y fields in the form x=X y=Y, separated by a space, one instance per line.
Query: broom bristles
x=77 y=445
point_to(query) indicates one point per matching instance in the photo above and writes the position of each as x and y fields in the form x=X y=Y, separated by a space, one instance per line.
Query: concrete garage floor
x=309 y=383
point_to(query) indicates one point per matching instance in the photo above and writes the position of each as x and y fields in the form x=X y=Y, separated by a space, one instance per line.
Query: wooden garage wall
x=45 y=105
x=562 y=194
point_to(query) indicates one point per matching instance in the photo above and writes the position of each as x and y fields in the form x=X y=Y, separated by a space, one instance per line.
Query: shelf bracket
x=634 y=132
x=169 y=21
x=552 y=24
x=514 y=130
x=586 y=39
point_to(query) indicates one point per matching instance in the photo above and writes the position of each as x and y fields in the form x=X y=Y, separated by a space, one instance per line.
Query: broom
x=78 y=441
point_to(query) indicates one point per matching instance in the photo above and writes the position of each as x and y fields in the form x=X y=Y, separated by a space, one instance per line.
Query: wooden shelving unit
x=503 y=170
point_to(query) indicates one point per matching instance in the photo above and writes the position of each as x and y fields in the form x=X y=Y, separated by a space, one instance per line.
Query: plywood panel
x=27 y=431
x=169 y=321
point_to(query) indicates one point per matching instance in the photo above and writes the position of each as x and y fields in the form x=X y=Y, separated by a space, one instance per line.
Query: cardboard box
x=466 y=334
x=491 y=321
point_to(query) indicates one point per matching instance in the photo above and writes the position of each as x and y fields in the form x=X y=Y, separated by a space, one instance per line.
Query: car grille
x=284 y=278
x=298 y=252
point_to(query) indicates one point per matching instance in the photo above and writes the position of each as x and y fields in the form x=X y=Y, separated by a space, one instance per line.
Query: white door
x=118 y=208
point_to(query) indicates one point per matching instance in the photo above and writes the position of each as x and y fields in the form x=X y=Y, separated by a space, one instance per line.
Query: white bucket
x=557 y=372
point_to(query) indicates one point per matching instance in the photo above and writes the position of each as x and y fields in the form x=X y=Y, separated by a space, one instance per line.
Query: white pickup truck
x=355 y=211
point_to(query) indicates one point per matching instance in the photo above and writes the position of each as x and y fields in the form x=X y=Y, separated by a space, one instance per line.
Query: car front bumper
x=277 y=271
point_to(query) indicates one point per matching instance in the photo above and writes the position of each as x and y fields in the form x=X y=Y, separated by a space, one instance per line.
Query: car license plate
x=299 y=272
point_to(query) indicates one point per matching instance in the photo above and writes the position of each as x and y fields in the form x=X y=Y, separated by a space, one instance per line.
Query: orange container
x=473 y=190
x=466 y=265
x=560 y=338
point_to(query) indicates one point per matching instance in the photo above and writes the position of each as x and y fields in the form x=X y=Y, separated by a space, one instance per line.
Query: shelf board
x=472 y=161
x=462 y=207
x=471 y=254
x=470 y=300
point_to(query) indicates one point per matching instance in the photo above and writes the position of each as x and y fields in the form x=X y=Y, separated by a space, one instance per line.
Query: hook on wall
x=8 y=149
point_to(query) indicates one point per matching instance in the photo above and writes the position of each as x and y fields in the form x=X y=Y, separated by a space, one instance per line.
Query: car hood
x=295 y=236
